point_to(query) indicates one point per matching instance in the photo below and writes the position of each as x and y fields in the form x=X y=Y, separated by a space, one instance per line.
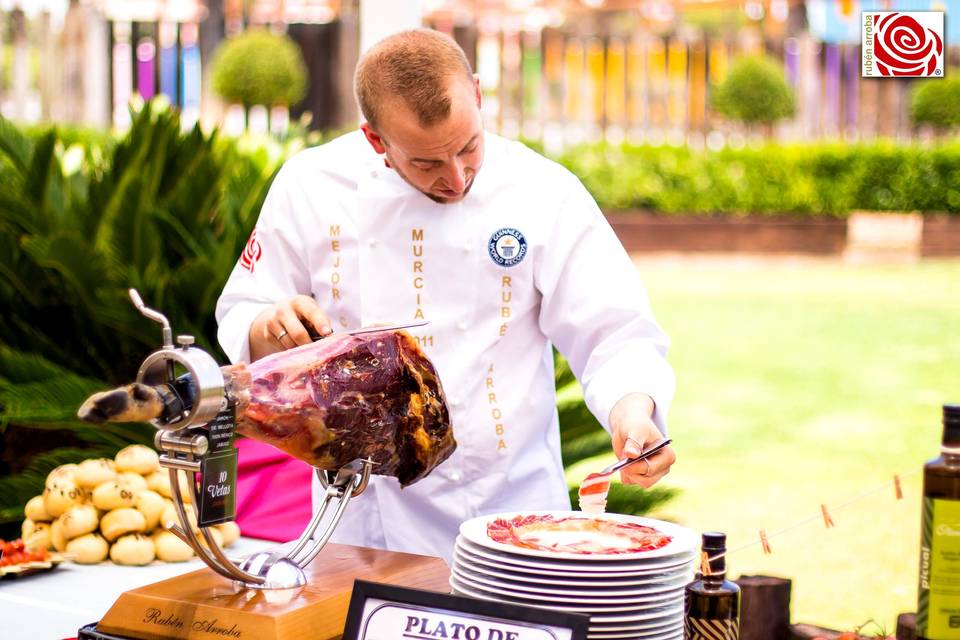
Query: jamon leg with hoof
x=371 y=395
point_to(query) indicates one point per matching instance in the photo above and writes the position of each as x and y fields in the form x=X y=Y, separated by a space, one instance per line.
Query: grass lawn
x=806 y=382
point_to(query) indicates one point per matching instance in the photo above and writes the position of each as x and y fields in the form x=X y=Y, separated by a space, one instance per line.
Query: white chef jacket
x=526 y=259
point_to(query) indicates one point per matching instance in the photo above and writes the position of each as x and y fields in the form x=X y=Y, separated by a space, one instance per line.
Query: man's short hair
x=415 y=66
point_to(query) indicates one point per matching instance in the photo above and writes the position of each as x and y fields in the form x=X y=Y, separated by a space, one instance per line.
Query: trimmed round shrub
x=754 y=92
x=258 y=67
x=937 y=103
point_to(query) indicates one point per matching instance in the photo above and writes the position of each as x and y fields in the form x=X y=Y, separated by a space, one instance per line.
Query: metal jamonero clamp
x=184 y=445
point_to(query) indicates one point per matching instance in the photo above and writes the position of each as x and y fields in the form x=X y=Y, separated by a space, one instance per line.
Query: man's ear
x=476 y=87
x=373 y=138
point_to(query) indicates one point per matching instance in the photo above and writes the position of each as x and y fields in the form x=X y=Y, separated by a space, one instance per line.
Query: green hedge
x=824 y=179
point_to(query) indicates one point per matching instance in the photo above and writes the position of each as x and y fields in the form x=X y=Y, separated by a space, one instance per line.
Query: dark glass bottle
x=711 y=602
x=938 y=603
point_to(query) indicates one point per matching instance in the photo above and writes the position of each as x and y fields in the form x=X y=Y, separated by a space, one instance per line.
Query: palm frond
x=15 y=145
x=18 y=367
x=51 y=400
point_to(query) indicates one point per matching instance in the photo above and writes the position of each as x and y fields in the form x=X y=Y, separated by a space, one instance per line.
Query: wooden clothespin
x=897 y=488
x=827 y=520
x=705 y=564
x=765 y=543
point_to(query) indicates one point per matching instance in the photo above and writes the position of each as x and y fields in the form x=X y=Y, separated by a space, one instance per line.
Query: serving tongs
x=626 y=462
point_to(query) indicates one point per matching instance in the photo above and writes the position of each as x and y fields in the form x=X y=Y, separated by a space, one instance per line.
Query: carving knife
x=374 y=329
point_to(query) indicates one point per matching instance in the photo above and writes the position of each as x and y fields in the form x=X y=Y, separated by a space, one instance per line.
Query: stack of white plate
x=626 y=595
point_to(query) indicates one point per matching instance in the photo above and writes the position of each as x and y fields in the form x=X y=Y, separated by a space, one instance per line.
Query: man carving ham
x=483 y=211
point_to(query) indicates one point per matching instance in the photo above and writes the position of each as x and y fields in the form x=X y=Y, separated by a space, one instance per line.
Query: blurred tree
x=937 y=103
x=754 y=92
x=260 y=68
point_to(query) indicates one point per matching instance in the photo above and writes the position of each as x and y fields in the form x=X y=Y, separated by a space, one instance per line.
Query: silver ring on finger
x=280 y=335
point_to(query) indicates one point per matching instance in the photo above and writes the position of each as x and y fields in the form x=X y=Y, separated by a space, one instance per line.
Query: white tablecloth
x=55 y=604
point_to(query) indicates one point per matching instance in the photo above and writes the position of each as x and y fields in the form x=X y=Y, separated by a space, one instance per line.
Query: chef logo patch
x=251 y=253
x=507 y=247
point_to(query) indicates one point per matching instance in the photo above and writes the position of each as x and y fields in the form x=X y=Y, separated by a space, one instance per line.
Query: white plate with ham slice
x=627 y=573
x=572 y=535
x=638 y=570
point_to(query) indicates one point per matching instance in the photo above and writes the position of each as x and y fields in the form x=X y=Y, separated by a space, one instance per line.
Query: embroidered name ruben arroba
x=507 y=247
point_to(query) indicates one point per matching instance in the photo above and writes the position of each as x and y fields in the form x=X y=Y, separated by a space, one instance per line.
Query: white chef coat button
x=466 y=248
x=455 y=476
x=454 y=402
x=372 y=242
x=462 y=325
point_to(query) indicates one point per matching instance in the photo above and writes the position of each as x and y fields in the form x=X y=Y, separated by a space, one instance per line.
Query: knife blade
x=374 y=329
x=389 y=327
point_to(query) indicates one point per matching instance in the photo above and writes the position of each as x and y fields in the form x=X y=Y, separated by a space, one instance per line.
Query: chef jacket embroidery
x=251 y=252
x=340 y=226
x=507 y=247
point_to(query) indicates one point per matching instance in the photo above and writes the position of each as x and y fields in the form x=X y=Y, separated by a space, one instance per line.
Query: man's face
x=439 y=161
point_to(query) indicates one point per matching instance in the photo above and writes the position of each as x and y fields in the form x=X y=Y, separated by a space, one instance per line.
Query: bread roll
x=170 y=548
x=217 y=536
x=57 y=539
x=169 y=517
x=39 y=538
x=138 y=459
x=133 y=481
x=92 y=473
x=122 y=521
x=79 y=520
x=28 y=527
x=114 y=494
x=60 y=496
x=64 y=471
x=88 y=549
x=151 y=504
x=36 y=511
x=134 y=549
x=160 y=482
x=230 y=532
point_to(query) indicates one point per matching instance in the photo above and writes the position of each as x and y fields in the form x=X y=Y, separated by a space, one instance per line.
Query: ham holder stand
x=302 y=590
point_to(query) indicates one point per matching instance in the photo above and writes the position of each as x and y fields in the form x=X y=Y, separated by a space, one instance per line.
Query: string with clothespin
x=824 y=516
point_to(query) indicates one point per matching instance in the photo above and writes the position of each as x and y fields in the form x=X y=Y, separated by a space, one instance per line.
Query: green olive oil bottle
x=938 y=603
x=711 y=602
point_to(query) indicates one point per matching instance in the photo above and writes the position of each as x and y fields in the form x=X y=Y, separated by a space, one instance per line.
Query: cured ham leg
x=373 y=395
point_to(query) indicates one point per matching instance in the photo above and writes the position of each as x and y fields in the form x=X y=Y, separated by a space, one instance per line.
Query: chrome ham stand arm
x=184 y=452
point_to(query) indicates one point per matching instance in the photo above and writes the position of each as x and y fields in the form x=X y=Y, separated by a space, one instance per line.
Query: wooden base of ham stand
x=202 y=604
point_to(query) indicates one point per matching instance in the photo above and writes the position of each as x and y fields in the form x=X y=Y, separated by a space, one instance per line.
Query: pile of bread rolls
x=118 y=508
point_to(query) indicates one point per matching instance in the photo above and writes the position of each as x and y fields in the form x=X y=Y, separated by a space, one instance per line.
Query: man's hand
x=286 y=325
x=633 y=432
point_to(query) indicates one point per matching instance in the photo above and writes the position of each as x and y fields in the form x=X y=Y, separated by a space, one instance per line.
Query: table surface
x=54 y=604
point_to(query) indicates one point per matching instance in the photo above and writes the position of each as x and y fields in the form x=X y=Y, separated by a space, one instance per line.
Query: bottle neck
x=950 y=453
x=714 y=580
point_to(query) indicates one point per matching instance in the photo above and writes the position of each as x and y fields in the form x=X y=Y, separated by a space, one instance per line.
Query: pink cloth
x=273 y=492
